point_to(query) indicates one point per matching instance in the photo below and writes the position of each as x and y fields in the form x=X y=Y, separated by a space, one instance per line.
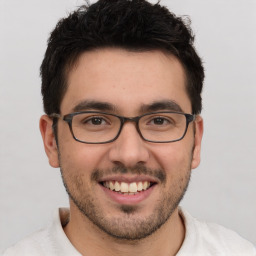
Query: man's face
x=128 y=84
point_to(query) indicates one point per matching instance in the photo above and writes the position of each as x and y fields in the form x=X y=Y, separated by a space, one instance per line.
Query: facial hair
x=128 y=225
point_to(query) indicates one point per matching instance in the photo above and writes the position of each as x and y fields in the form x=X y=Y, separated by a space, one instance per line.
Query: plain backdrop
x=222 y=189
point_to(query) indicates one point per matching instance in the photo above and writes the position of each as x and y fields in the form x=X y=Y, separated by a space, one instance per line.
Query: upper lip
x=129 y=179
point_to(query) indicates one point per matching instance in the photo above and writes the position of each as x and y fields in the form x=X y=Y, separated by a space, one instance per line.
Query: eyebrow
x=169 y=105
x=94 y=105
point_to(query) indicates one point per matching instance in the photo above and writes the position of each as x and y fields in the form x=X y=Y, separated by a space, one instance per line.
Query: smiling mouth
x=132 y=188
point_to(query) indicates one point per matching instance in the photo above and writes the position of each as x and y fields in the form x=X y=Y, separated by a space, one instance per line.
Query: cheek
x=80 y=157
x=175 y=156
x=77 y=165
x=177 y=165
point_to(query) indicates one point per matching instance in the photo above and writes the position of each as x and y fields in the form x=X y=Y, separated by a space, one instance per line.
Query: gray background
x=222 y=189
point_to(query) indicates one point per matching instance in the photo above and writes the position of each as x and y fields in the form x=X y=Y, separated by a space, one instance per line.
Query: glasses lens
x=163 y=127
x=95 y=127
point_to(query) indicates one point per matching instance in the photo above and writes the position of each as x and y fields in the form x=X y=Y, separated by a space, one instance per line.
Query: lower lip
x=128 y=199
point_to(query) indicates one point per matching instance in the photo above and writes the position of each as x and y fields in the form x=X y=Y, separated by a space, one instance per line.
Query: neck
x=89 y=240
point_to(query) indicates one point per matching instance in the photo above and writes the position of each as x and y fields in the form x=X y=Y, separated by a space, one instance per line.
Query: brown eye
x=158 y=121
x=96 y=120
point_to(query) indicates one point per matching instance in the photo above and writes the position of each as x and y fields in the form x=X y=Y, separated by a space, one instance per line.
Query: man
x=121 y=85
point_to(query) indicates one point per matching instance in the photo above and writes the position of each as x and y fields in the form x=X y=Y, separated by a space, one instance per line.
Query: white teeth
x=124 y=187
x=140 y=186
x=145 y=185
x=131 y=188
x=117 y=186
x=111 y=185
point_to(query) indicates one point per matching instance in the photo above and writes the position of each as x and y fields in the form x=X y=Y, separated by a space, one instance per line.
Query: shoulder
x=213 y=239
x=47 y=242
x=35 y=244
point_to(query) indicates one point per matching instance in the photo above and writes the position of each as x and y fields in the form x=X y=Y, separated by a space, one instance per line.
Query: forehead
x=127 y=80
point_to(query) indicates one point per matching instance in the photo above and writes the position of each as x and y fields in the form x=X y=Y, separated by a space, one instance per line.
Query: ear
x=50 y=145
x=199 y=128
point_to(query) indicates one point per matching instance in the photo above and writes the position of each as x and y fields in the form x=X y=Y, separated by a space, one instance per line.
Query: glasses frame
x=69 y=118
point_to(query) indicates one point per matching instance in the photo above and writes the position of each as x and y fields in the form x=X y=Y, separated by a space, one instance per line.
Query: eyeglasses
x=98 y=127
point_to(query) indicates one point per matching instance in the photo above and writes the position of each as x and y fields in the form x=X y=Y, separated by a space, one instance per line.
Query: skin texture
x=128 y=82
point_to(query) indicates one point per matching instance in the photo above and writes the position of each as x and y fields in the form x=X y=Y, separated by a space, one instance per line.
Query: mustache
x=138 y=169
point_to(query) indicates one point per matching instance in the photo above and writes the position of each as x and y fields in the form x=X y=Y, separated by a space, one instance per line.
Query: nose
x=129 y=148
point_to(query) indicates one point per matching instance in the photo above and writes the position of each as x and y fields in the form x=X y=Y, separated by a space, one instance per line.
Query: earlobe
x=199 y=128
x=49 y=141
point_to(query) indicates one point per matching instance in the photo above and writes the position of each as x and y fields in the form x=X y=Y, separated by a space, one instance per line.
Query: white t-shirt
x=201 y=239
